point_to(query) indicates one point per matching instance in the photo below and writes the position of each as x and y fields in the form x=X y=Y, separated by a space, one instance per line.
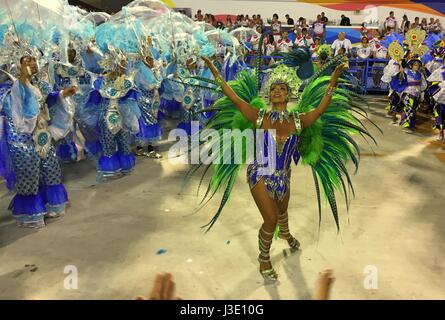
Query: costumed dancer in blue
x=114 y=102
x=393 y=107
x=148 y=81
x=437 y=90
x=433 y=62
x=192 y=101
x=410 y=81
x=209 y=96
x=391 y=69
x=172 y=92
x=32 y=117
x=73 y=74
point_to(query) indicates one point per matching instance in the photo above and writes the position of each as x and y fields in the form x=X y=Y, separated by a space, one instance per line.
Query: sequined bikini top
x=280 y=116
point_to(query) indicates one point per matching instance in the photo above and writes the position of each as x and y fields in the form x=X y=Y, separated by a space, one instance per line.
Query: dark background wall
x=109 y=6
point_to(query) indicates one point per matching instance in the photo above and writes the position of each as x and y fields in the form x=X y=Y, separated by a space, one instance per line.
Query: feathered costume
x=326 y=146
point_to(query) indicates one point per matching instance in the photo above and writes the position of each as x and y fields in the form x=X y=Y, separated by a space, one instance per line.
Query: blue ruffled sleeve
x=91 y=61
x=61 y=112
x=30 y=105
x=128 y=106
x=145 y=77
x=397 y=85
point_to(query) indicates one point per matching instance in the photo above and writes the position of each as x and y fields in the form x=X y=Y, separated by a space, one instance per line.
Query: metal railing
x=368 y=72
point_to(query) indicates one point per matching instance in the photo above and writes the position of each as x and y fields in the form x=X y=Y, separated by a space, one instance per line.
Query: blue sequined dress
x=28 y=159
x=113 y=108
x=272 y=163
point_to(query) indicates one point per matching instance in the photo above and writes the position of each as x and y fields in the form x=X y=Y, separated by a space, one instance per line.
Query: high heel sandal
x=269 y=275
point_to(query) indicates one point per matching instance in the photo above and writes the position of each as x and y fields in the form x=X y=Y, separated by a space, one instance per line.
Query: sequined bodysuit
x=277 y=180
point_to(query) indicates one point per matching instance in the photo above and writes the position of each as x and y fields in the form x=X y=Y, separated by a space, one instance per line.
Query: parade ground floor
x=118 y=235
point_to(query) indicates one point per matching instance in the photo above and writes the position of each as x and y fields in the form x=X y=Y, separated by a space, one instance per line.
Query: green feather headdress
x=284 y=74
x=324 y=48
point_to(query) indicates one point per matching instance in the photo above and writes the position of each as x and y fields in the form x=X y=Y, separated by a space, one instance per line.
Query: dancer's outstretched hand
x=163 y=289
x=339 y=70
x=324 y=285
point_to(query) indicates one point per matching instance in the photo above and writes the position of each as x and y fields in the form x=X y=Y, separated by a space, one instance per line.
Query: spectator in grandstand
x=304 y=40
x=199 y=16
x=391 y=22
x=255 y=39
x=416 y=23
x=378 y=52
x=289 y=20
x=364 y=30
x=314 y=46
x=319 y=29
x=270 y=47
x=285 y=44
x=363 y=53
x=437 y=27
x=260 y=20
x=405 y=23
x=229 y=23
x=424 y=24
x=245 y=22
x=276 y=27
x=345 y=21
x=431 y=24
x=342 y=44
x=302 y=24
x=324 y=19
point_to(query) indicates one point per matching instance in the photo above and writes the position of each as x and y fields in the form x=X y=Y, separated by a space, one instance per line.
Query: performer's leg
x=108 y=164
x=393 y=106
x=126 y=157
x=67 y=149
x=269 y=211
x=408 y=116
x=439 y=113
x=52 y=189
x=283 y=223
x=28 y=206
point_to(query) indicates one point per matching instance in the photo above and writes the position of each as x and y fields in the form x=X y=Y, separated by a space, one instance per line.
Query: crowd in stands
x=316 y=28
x=293 y=33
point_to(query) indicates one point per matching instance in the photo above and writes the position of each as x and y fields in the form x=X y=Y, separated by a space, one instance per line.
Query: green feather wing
x=222 y=175
x=328 y=144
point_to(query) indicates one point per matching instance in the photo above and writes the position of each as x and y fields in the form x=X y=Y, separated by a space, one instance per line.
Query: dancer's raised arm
x=244 y=107
x=309 y=118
